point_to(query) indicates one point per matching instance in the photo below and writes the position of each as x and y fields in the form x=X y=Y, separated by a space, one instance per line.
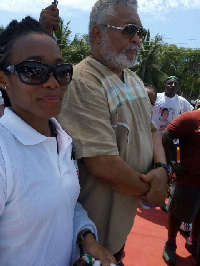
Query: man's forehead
x=125 y=15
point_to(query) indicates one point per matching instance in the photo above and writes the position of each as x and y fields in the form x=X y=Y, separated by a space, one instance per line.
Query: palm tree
x=185 y=64
x=63 y=35
x=73 y=51
x=78 y=49
x=148 y=68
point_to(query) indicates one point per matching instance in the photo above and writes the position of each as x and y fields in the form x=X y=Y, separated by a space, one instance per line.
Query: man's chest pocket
x=120 y=121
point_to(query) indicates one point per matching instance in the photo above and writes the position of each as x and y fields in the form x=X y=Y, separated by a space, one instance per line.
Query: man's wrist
x=81 y=236
x=167 y=167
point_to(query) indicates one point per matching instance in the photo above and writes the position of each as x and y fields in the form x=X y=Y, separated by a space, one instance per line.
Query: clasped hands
x=158 y=181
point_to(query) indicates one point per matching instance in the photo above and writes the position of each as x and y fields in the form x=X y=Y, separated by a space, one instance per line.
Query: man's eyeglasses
x=36 y=73
x=130 y=30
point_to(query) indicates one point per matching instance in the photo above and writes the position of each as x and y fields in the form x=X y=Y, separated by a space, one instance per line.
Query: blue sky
x=177 y=21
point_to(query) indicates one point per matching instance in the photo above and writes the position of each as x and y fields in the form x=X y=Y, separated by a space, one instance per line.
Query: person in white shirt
x=41 y=222
x=169 y=99
x=173 y=105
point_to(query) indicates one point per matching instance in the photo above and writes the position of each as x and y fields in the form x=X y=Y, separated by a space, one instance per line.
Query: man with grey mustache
x=108 y=114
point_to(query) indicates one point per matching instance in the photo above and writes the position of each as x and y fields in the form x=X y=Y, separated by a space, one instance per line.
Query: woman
x=40 y=219
x=164 y=115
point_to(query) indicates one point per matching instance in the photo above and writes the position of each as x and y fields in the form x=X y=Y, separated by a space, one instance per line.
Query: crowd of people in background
x=78 y=153
x=168 y=110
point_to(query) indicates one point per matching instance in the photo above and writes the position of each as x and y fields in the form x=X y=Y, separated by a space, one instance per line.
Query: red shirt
x=186 y=128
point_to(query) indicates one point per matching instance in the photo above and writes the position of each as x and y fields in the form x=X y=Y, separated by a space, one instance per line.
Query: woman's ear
x=3 y=80
x=96 y=33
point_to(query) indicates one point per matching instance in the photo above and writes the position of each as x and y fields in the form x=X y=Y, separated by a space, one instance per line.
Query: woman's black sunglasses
x=36 y=73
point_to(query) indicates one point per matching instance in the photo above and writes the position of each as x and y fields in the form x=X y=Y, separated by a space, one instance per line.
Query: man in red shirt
x=185 y=205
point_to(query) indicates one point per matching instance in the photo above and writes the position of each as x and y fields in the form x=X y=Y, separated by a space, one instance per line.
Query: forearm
x=158 y=150
x=169 y=147
x=85 y=239
x=80 y=223
x=115 y=173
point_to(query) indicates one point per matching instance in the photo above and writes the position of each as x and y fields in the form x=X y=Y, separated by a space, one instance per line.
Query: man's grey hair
x=102 y=9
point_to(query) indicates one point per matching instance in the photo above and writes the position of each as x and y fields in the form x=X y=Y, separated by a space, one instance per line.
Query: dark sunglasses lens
x=130 y=30
x=32 y=73
x=64 y=74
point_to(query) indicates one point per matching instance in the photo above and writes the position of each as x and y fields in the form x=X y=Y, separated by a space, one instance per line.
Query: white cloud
x=79 y=4
x=146 y=6
x=155 y=6
x=152 y=6
x=22 y=6
x=33 y=6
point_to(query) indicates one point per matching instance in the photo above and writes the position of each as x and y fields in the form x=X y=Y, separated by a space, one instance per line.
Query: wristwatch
x=165 y=166
x=81 y=236
x=172 y=163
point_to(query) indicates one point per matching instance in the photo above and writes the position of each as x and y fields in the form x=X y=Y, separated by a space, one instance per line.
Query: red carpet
x=146 y=240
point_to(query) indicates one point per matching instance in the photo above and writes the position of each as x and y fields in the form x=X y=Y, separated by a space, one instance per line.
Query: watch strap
x=159 y=164
x=165 y=166
x=81 y=236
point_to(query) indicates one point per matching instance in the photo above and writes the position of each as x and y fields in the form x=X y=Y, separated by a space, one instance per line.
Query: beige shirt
x=106 y=116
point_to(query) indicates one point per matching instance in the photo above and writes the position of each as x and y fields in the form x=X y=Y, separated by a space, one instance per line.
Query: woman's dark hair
x=9 y=35
x=163 y=110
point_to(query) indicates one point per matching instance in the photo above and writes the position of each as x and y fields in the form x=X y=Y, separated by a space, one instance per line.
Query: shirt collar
x=24 y=132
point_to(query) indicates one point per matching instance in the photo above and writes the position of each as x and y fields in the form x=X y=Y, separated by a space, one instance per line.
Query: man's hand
x=158 y=180
x=49 y=18
x=93 y=248
x=179 y=170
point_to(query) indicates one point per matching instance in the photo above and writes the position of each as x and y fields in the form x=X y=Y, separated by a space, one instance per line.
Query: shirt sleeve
x=81 y=221
x=186 y=105
x=181 y=126
x=85 y=116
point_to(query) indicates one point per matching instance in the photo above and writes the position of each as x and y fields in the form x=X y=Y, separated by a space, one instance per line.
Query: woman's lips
x=50 y=99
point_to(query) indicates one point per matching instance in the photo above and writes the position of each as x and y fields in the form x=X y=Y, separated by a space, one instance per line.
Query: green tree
x=148 y=68
x=63 y=34
x=75 y=50
x=156 y=60
x=1 y=28
x=185 y=64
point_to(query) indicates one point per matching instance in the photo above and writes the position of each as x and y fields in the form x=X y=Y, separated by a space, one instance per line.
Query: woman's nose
x=51 y=82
